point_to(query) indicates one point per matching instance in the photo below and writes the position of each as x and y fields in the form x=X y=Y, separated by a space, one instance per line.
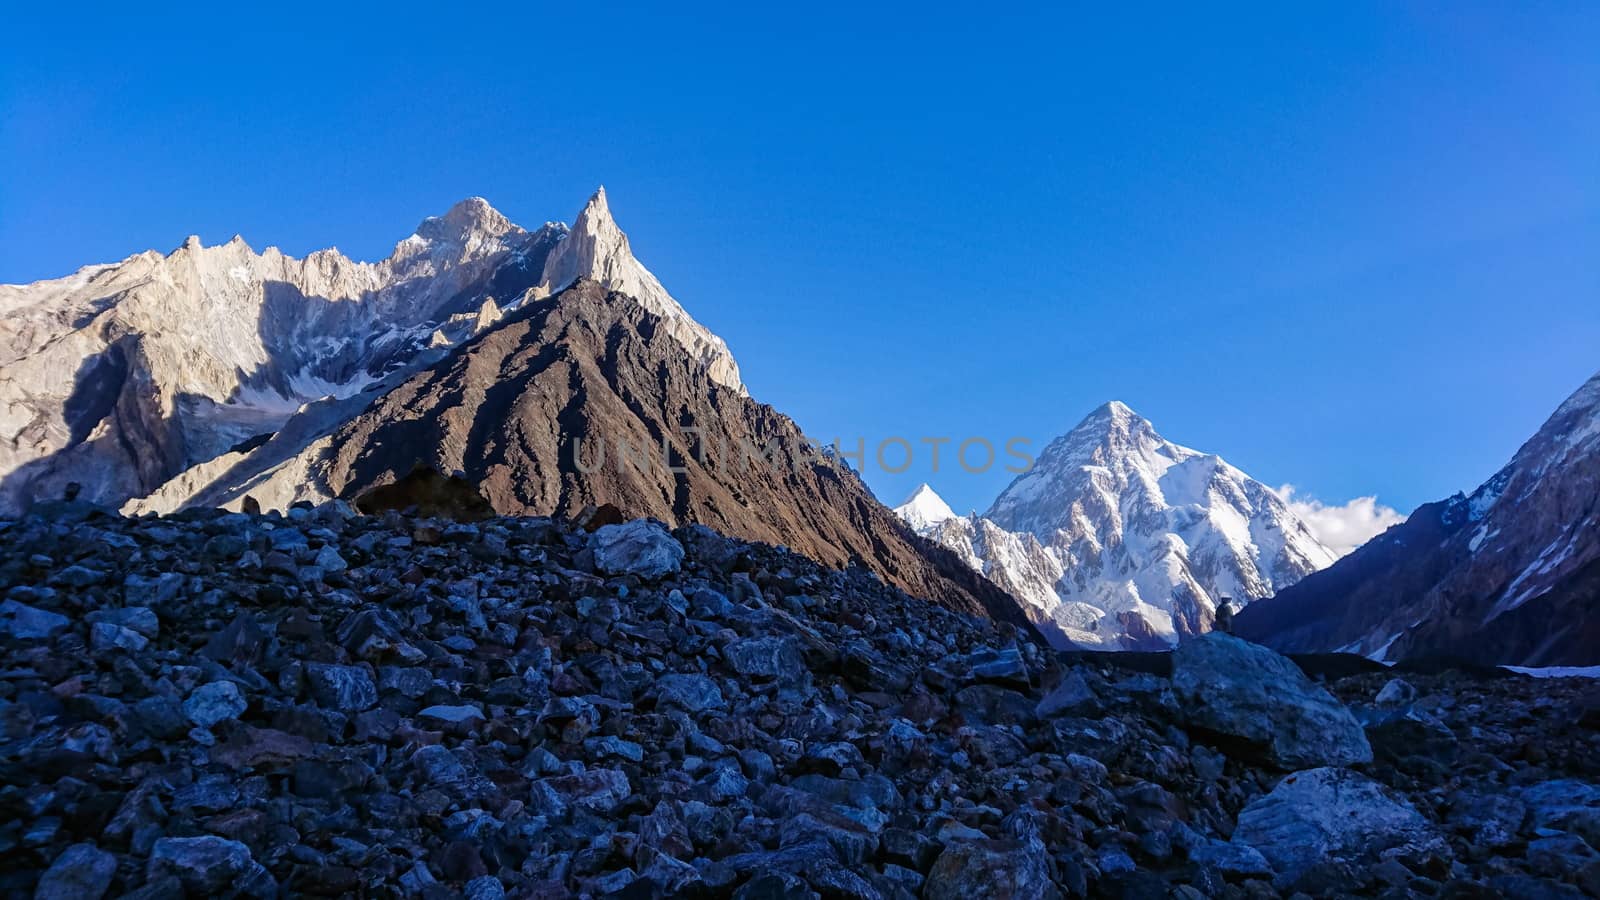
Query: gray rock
x=1398 y=732
x=999 y=666
x=613 y=746
x=1397 y=692
x=453 y=714
x=78 y=576
x=29 y=623
x=1492 y=821
x=105 y=637
x=157 y=591
x=485 y=887
x=1232 y=859
x=329 y=560
x=137 y=618
x=1560 y=855
x=1000 y=870
x=1259 y=705
x=205 y=865
x=436 y=765
x=408 y=681
x=598 y=790
x=216 y=702
x=1567 y=804
x=1335 y=815
x=81 y=872
x=767 y=658
x=692 y=693
x=1073 y=696
x=640 y=547
x=344 y=688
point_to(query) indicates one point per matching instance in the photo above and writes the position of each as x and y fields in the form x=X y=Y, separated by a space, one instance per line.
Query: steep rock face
x=598 y=250
x=1119 y=538
x=123 y=376
x=1016 y=563
x=570 y=401
x=1507 y=575
x=150 y=377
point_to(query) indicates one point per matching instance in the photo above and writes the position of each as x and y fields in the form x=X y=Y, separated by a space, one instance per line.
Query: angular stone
x=1256 y=704
x=106 y=636
x=640 y=547
x=344 y=688
x=1073 y=696
x=137 y=618
x=1396 y=733
x=692 y=693
x=436 y=765
x=216 y=702
x=453 y=714
x=599 y=790
x=767 y=658
x=329 y=560
x=1005 y=667
x=205 y=865
x=1396 y=692
x=28 y=623
x=81 y=872
x=1331 y=814
x=989 y=868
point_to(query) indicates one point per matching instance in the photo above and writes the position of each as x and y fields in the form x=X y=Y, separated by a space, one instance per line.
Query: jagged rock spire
x=597 y=249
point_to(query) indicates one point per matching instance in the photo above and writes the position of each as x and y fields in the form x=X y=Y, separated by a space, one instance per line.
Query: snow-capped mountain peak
x=1138 y=539
x=924 y=508
x=470 y=221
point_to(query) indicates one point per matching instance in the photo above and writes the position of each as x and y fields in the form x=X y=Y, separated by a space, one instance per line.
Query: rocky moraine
x=230 y=704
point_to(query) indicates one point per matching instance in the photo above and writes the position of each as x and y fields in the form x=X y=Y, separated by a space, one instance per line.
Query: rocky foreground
x=226 y=704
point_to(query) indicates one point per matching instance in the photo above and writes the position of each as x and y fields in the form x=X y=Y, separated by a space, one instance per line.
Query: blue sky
x=1351 y=246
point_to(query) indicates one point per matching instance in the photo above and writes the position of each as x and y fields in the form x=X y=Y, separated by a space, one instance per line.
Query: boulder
x=996 y=870
x=344 y=688
x=205 y=865
x=640 y=547
x=767 y=659
x=1334 y=815
x=81 y=872
x=1399 y=732
x=216 y=702
x=1258 y=705
x=691 y=693
x=1567 y=804
x=597 y=790
x=29 y=623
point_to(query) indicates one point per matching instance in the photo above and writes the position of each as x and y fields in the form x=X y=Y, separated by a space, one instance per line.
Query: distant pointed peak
x=1114 y=409
x=1112 y=417
x=192 y=242
x=466 y=219
x=596 y=215
x=924 y=508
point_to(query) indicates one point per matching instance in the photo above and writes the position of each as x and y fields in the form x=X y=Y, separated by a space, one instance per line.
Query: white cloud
x=1341 y=528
